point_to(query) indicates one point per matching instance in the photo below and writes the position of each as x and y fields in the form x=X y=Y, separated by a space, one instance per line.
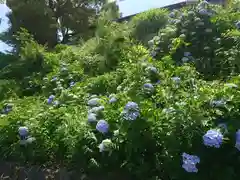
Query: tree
x=47 y=19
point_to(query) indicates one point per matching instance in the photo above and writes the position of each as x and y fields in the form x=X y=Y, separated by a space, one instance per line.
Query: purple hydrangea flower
x=213 y=138
x=237 y=144
x=189 y=162
x=102 y=126
x=50 y=99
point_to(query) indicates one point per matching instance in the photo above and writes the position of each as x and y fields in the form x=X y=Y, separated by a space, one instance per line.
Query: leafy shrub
x=145 y=25
x=203 y=36
x=118 y=108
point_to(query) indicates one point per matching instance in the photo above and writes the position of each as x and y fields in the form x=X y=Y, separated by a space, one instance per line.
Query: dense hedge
x=114 y=106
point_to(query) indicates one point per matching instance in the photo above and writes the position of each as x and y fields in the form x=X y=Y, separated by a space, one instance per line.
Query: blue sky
x=127 y=7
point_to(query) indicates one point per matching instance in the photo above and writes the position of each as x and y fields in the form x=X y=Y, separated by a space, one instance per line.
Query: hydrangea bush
x=158 y=114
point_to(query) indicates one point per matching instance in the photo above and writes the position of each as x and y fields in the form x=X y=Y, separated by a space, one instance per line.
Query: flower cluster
x=102 y=126
x=105 y=145
x=237 y=144
x=238 y=25
x=50 y=99
x=112 y=98
x=7 y=108
x=213 y=138
x=148 y=88
x=189 y=162
x=25 y=139
x=131 y=111
x=95 y=109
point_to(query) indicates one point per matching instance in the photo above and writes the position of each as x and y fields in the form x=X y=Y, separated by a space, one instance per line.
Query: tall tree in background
x=46 y=19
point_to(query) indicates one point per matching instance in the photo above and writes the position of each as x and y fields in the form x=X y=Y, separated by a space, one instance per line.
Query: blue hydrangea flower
x=96 y=110
x=113 y=100
x=92 y=117
x=30 y=140
x=153 y=53
x=131 y=106
x=131 y=111
x=190 y=162
x=218 y=103
x=158 y=82
x=213 y=138
x=184 y=59
x=101 y=147
x=238 y=24
x=151 y=43
x=203 y=11
x=56 y=103
x=152 y=69
x=54 y=79
x=7 y=109
x=237 y=144
x=186 y=54
x=172 y=14
x=23 y=132
x=203 y=4
x=102 y=126
x=131 y=115
x=50 y=99
x=176 y=79
x=93 y=102
x=148 y=88
x=105 y=145
x=72 y=83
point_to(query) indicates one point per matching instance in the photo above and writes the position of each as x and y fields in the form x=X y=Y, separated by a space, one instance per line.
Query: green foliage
x=212 y=40
x=145 y=25
x=50 y=91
